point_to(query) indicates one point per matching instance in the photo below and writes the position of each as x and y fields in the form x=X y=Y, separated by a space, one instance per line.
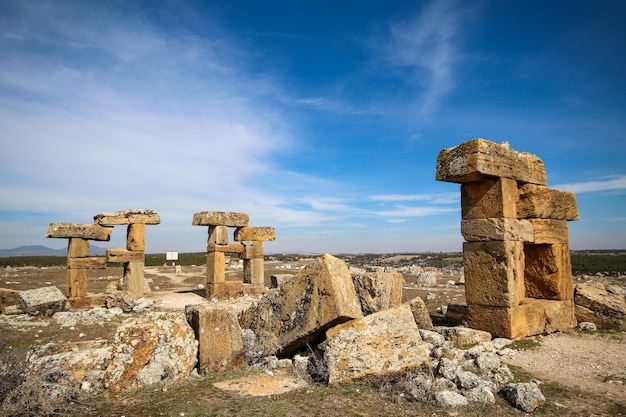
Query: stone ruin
x=250 y=250
x=518 y=275
x=133 y=257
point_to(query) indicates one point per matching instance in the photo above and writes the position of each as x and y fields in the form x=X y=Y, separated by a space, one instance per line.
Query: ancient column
x=133 y=256
x=518 y=279
x=78 y=259
x=253 y=254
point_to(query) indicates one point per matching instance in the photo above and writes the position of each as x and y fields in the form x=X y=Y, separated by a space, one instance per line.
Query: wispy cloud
x=427 y=46
x=607 y=184
x=435 y=198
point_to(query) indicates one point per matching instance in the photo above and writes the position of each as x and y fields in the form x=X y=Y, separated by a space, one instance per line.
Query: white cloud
x=435 y=198
x=607 y=184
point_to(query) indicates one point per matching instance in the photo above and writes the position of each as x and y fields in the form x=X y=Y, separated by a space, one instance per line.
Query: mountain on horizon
x=40 y=250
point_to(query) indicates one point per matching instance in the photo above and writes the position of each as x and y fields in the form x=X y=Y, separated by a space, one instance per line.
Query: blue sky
x=322 y=119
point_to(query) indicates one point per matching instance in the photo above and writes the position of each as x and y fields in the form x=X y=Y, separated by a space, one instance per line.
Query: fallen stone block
x=462 y=337
x=300 y=311
x=378 y=290
x=220 y=345
x=153 y=348
x=382 y=345
x=421 y=314
x=42 y=301
x=524 y=396
x=595 y=304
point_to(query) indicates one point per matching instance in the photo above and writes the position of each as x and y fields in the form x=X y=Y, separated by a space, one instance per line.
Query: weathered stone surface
x=426 y=278
x=378 y=290
x=220 y=218
x=478 y=159
x=420 y=314
x=259 y=233
x=457 y=312
x=124 y=255
x=536 y=201
x=215 y=268
x=92 y=262
x=79 y=360
x=122 y=299
x=381 y=345
x=490 y=198
x=134 y=281
x=525 y=396
x=494 y=273
x=462 y=337
x=549 y=231
x=42 y=301
x=229 y=248
x=532 y=317
x=597 y=305
x=128 y=216
x=320 y=296
x=83 y=231
x=9 y=297
x=474 y=230
x=548 y=272
x=220 y=346
x=218 y=235
x=253 y=250
x=149 y=349
x=226 y=289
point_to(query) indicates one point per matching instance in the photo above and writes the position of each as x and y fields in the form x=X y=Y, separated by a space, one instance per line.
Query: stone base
x=251 y=289
x=88 y=301
x=228 y=289
x=532 y=317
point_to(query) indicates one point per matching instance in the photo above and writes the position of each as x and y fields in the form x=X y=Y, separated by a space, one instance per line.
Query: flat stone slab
x=82 y=231
x=42 y=301
x=128 y=216
x=220 y=218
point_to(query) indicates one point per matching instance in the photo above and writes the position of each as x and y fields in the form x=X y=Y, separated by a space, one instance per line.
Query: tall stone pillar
x=133 y=256
x=78 y=259
x=518 y=279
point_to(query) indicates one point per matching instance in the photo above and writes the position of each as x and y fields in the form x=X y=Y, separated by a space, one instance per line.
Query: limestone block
x=83 y=231
x=320 y=296
x=134 y=281
x=259 y=233
x=478 y=159
x=494 y=273
x=136 y=237
x=253 y=271
x=475 y=230
x=536 y=201
x=218 y=235
x=230 y=248
x=79 y=360
x=490 y=198
x=383 y=345
x=462 y=337
x=124 y=255
x=253 y=250
x=215 y=267
x=378 y=290
x=77 y=282
x=549 y=231
x=128 y=216
x=596 y=305
x=77 y=248
x=152 y=348
x=42 y=301
x=92 y=262
x=220 y=218
x=226 y=289
x=548 y=272
x=9 y=297
x=420 y=314
x=220 y=346
x=532 y=317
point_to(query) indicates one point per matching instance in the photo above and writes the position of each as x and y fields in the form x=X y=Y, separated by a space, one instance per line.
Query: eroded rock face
x=383 y=344
x=595 y=304
x=300 y=311
x=378 y=290
x=156 y=347
x=42 y=301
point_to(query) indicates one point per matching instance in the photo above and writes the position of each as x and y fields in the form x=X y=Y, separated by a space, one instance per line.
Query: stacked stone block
x=250 y=250
x=133 y=256
x=78 y=259
x=518 y=279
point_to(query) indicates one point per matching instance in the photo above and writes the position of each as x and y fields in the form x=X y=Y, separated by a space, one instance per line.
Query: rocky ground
x=582 y=373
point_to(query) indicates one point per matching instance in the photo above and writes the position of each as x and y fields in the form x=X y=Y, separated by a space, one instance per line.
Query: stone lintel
x=91 y=262
x=128 y=216
x=124 y=255
x=230 y=248
x=220 y=218
x=478 y=159
x=536 y=201
x=497 y=229
x=83 y=231
x=547 y=231
x=255 y=233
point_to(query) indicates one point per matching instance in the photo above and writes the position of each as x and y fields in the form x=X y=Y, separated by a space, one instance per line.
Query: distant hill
x=40 y=250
